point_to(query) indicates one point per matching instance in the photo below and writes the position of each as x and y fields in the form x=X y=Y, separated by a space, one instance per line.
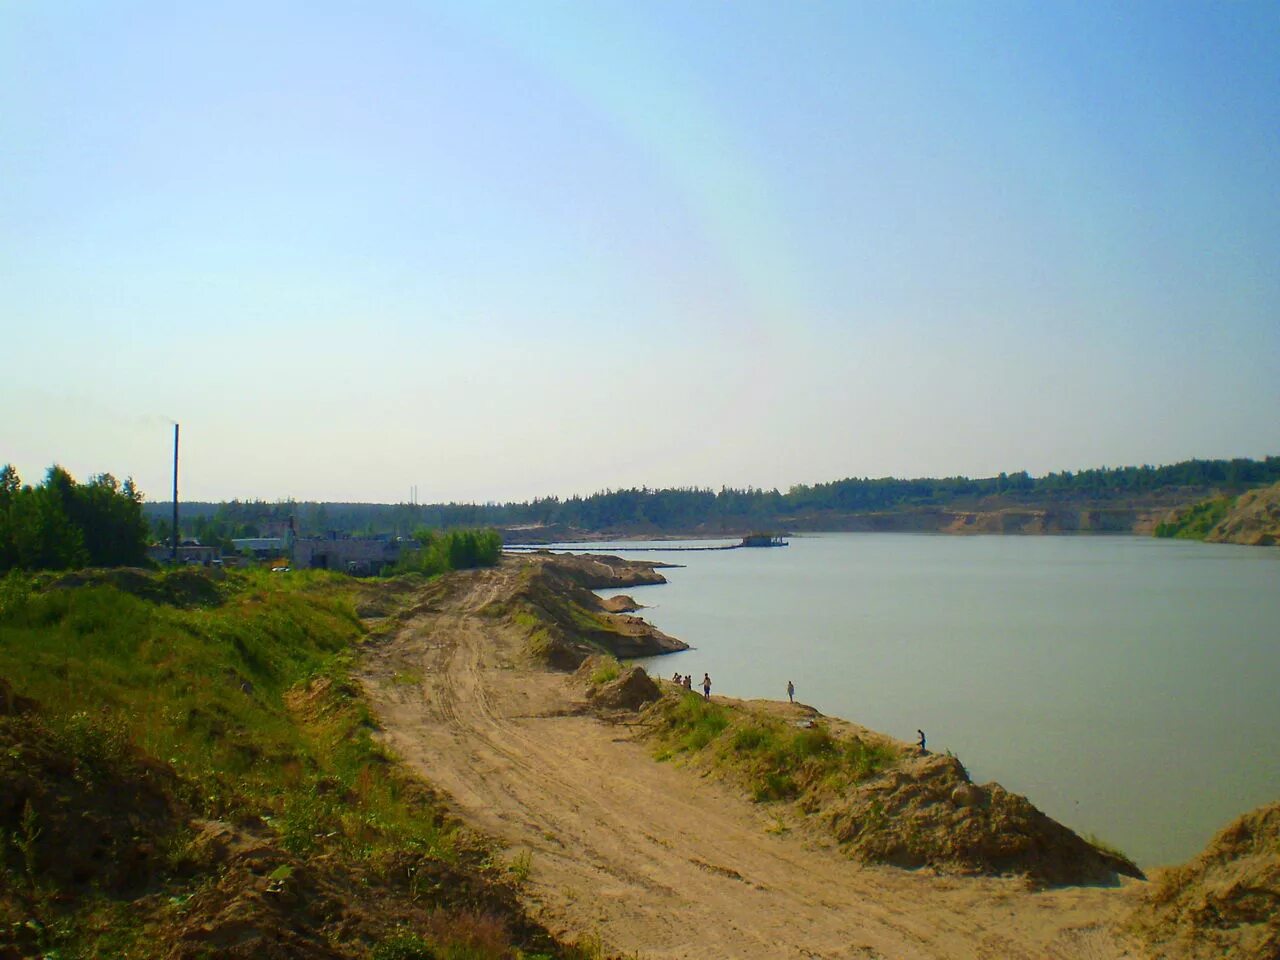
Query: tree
x=62 y=524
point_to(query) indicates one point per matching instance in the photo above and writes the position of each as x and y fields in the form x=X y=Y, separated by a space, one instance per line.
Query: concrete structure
x=285 y=529
x=361 y=556
x=262 y=548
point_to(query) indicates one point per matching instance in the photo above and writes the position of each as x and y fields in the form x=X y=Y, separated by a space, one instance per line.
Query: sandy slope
x=657 y=861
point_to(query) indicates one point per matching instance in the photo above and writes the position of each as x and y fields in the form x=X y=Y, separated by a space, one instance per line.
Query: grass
x=608 y=670
x=521 y=866
x=241 y=705
x=250 y=701
x=1098 y=843
x=772 y=759
x=695 y=722
x=1196 y=522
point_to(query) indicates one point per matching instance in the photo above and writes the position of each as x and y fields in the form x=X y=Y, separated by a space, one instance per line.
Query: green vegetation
x=689 y=507
x=1195 y=522
x=1108 y=848
x=607 y=670
x=63 y=525
x=772 y=758
x=439 y=553
x=149 y=721
x=692 y=722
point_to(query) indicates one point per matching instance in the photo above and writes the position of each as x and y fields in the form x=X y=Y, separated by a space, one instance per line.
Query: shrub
x=439 y=552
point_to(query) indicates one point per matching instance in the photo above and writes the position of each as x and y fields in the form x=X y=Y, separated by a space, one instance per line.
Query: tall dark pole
x=175 y=493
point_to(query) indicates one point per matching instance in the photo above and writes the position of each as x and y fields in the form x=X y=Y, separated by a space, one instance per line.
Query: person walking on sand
x=791 y=691
x=706 y=686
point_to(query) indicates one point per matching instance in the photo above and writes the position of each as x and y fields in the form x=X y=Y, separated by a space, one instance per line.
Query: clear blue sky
x=499 y=251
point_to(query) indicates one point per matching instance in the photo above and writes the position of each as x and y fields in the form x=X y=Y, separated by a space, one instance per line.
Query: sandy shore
x=656 y=860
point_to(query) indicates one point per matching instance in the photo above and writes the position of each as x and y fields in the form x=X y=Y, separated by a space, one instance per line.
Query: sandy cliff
x=1254 y=519
x=1225 y=902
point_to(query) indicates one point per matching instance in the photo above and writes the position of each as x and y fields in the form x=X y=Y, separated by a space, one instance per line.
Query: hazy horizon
x=499 y=252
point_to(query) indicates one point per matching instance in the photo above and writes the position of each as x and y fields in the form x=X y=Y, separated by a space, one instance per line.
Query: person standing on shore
x=920 y=742
x=706 y=686
x=791 y=691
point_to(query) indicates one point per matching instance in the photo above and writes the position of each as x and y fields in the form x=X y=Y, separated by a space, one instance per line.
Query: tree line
x=691 y=508
x=61 y=524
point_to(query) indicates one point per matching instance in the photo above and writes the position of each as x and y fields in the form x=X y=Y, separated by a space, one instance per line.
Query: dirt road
x=654 y=859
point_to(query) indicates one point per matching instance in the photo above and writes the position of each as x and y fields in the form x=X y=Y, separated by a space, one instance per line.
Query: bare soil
x=1225 y=902
x=655 y=859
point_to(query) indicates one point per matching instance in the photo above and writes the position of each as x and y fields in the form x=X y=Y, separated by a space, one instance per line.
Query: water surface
x=1128 y=686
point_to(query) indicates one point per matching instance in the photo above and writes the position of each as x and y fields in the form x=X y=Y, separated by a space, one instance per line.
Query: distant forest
x=689 y=509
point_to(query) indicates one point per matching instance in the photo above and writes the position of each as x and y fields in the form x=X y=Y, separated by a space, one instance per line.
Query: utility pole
x=175 y=493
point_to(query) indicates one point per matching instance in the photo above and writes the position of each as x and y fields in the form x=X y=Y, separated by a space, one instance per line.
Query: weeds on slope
x=138 y=709
x=774 y=759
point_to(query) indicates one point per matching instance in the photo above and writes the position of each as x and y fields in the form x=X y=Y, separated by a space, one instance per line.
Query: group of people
x=686 y=681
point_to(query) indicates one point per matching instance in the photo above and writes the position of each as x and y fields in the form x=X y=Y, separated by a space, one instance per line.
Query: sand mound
x=632 y=690
x=610 y=686
x=925 y=812
x=1254 y=519
x=604 y=572
x=1225 y=902
x=565 y=619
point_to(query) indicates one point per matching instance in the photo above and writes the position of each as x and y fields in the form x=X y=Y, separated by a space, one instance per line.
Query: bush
x=439 y=552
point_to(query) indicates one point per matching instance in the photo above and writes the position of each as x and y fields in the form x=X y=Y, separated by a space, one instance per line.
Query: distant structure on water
x=762 y=540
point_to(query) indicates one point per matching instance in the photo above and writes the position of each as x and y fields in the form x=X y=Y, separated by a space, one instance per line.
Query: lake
x=1129 y=687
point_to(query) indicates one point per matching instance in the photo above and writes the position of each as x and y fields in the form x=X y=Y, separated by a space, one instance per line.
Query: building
x=360 y=556
x=190 y=551
x=262 y=548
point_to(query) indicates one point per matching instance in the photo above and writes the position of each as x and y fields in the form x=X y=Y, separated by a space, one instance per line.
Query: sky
x=498 y=251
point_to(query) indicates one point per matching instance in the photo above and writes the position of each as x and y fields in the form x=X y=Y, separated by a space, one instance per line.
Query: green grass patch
x=608 y=670
x=773 y=759
x=754 y=739
x=695 y=722
x=1195 y=522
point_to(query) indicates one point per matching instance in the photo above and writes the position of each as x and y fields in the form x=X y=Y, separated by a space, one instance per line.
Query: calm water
x=1130 y=687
